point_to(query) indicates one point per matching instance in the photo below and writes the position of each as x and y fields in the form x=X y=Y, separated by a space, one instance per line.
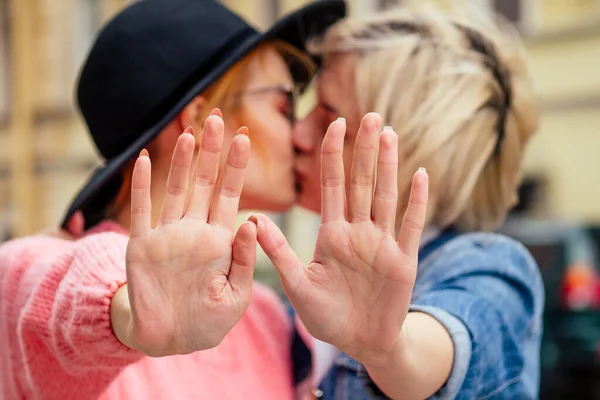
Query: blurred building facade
x=45 y=155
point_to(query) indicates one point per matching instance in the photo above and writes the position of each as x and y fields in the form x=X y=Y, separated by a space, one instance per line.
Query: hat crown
x=144 y=58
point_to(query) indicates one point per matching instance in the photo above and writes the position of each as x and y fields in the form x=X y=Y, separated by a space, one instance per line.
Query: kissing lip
x=298 y=178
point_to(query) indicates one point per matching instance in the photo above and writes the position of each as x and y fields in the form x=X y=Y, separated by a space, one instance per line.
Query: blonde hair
x=223 y=94
x=418 y=68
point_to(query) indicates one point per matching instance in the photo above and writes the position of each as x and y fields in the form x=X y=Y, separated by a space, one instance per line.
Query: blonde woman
x=466 y=323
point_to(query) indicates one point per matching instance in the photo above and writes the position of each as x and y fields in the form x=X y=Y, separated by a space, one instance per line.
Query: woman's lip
x=298 y=178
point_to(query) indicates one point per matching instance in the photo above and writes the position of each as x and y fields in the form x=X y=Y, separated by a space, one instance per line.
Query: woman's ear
x=193 y=114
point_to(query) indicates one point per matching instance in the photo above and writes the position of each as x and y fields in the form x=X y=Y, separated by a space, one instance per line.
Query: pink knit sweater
x=56 y=341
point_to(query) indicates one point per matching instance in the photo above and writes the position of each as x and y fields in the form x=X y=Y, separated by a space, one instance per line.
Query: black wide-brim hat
x=151 y=60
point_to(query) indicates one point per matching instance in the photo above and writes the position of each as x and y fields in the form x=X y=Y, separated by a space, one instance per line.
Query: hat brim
x=295 y=28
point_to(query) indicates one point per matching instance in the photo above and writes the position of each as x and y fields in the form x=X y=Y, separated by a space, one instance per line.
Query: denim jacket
x=486 y=290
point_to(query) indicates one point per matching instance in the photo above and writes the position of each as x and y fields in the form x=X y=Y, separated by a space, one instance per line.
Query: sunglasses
x=289 y=91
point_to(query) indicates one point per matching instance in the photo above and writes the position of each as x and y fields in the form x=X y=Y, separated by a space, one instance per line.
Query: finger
x=414 y=218
x=207 y=166
x=243 y=258
x=333 y=189
x=276 y=247
x=386 y=190
x=363 y=169
x=227 y=199
x=141 y=205
x=178 y=180
x=217 y=112
x=76 y=224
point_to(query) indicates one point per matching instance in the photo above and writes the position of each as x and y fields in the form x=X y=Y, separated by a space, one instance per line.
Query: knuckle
x=175 y=190
x=331 y=181
x=413 y=202
x=136 y=211
x=413 y=224
x=211 y=147
x=230 y=192
x=203 y=181
x=362 y=180
x=386 y=195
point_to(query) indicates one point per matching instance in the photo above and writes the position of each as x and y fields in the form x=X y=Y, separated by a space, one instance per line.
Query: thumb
x=276 y=247
x=243 y=257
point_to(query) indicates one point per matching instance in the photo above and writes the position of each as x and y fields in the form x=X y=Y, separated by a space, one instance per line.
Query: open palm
x=190 y=279
x=356 y=292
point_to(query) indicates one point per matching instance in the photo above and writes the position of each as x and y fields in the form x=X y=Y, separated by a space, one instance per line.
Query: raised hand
x=189 y=280
x=356 y=292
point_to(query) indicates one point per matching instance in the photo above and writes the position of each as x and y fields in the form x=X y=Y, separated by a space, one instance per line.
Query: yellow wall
x=567 y=149
x=566 y=69
x=567 y=76
x=558 y=13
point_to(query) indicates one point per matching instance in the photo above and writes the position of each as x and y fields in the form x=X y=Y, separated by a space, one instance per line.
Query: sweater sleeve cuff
x=80 y=322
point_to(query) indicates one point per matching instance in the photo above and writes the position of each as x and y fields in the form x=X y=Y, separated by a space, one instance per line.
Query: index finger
x=141 y=208
x=333 y=187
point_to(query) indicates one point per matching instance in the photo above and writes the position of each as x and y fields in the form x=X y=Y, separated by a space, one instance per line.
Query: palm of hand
x=189 y=280
x=356 y=292
x=177 y=279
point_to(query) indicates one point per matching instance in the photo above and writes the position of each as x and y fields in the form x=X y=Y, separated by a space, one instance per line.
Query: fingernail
x=388 y=128
x=243 y=131
x=144 y=153
x=189 y=129
x=342 y=120
x=216 y=112
x=422 y=169
x=252 y=218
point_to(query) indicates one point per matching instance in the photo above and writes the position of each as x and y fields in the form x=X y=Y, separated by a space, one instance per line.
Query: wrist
x=420 y=362
x=397 y=357
x=120 y=316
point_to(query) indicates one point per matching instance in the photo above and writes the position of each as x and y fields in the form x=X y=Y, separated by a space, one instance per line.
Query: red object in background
x=580 y=287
